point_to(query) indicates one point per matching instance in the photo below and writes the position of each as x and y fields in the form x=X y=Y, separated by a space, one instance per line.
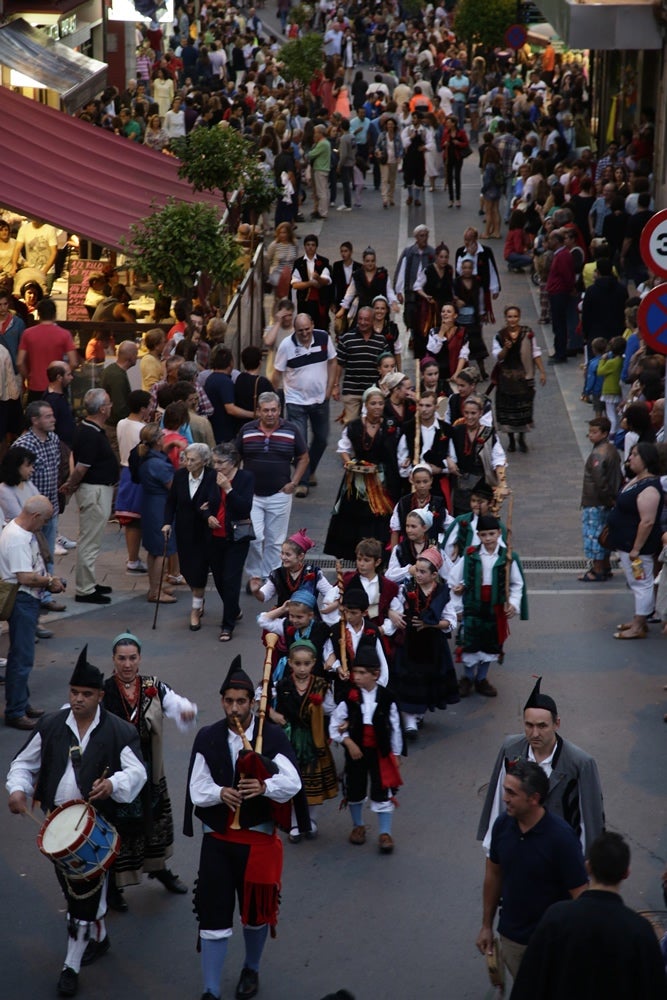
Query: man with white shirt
x=306 y=365
x=446 y=96
x=249 y=859
x=575 y=793
x=311 y=280
x=433 y=440
x=24 y=554
x=80 y=752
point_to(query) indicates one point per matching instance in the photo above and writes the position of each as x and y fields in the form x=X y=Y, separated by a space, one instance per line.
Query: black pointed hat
x=86 y=674
x=538 y=700
x=487 y=522
x=482 y=489
x=237 y=678
x=355 y=597
x=367 y=657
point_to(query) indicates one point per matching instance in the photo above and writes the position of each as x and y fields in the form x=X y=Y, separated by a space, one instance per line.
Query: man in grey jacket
x=575 y=793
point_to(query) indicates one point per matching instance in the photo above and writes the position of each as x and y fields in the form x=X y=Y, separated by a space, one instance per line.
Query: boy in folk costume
x=481 y=595
x=383 y=602
x=462 y=531
x=359 y=634
x=367 y=723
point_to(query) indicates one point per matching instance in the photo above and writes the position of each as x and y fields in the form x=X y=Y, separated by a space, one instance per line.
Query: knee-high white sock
x=77 y=941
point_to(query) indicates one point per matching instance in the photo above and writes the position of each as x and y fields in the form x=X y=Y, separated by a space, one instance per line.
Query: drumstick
x=101 y=778
x=31 y=815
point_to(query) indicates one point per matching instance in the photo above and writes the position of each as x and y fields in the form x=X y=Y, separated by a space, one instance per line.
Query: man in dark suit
x=341 y=275
x=594 y=947
x=311 y=279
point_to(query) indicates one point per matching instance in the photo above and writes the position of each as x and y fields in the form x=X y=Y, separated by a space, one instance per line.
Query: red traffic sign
x=653 y=243
x=515 y=36
x=652 y=319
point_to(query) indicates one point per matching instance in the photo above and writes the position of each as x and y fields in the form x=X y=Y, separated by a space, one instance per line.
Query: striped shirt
x=269 y=456
x=359 y=358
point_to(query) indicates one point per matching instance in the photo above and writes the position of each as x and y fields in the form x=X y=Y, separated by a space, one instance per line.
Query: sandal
x=163 y=599
x=590 y=576
x=225 y=635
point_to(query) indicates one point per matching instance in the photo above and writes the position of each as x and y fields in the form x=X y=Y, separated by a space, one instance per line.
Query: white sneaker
x=343 y=208
x=136 y=567
x=59 y=550
x=66 y=543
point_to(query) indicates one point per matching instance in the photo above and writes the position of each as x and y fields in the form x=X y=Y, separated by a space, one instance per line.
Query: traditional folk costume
x=146 y=824
x=373 y=722
x=476 y=459
x=56 y=766
x=382 y=595
x=250 y=857
x=424 y=677
x=304 y=713
x=282 y=585
x=575 y=792
x=316 y=632
x=403 y=556
x=485 y=595
x=461 y=532
x=515 y=381
x=365 y=499
x=435 y=503
x=471 y=294
x=358 y=642
x=433 y=451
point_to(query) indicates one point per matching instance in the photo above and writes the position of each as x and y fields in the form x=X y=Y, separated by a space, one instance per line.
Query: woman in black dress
x=192 y=496
x=434 y=286
x=368 y=490
x=517 y=355
x=474 y=453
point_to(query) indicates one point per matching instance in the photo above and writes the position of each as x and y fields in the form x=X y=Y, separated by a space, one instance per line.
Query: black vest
x=103 y=752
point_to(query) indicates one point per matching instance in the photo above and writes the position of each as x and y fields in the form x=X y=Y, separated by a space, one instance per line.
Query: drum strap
x=75 y=757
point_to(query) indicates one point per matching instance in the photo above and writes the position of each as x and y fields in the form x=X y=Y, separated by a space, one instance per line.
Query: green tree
x=180 y=242
x=213 y=159
x=484 y=22
x=301 y=57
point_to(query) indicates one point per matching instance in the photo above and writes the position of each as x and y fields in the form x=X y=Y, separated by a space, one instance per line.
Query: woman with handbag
x=474 y=453
x=191 y=497
x=231 y=532
x=455 y=147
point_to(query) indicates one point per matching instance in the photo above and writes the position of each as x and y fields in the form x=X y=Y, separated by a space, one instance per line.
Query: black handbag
x=243 y=531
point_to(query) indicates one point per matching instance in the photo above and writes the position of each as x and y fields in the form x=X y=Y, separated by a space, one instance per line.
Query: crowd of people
x=201 y=466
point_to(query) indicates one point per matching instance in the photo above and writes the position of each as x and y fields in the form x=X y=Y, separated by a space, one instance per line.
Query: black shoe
x=68 y=983
x=248 y=984
x=170 y=881
x=209 y=996
x=553 y=360
x=511 y=446
x=94 y=598
x=95 y=950
x=116 y=899
x=34 y=713
x=102 y=589
x=522 y=444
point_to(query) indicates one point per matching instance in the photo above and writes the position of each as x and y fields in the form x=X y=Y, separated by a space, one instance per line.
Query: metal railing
x=244 y=315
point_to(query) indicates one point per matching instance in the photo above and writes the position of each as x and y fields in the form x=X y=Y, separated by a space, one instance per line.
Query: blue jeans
x=459 y=108
x=318 y=415
x=50 y=532
x=519 y=259
x=21 y=656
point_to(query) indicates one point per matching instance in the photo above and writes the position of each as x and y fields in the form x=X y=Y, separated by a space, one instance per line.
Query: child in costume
x=358 y=633
x=424 y=677
x=293 y=620
x=367 y=723
x=302 y=701
x=294 y=573
x=418 y=524
x=486 y=604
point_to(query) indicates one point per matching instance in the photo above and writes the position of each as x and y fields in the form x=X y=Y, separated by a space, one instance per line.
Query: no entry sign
x=653 y=243
x=652 y=319
x=515 y=36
